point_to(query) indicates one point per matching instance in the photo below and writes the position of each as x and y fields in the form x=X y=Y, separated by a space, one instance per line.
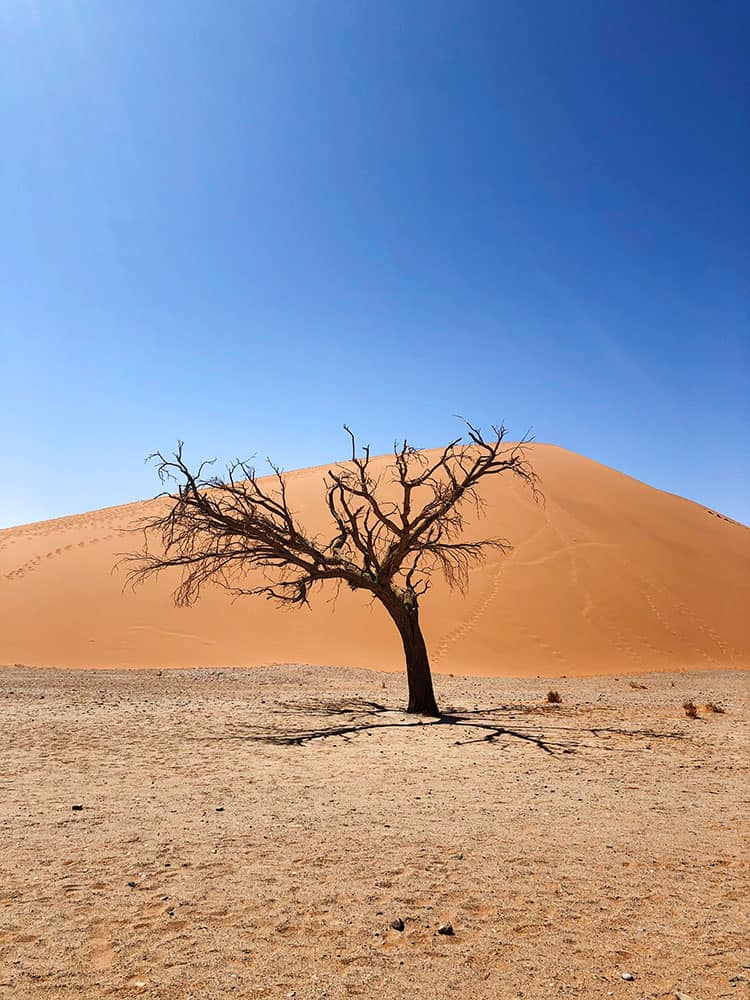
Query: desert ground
x=254 y=833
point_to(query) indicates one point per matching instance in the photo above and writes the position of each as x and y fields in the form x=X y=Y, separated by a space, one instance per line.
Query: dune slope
x=609 y=575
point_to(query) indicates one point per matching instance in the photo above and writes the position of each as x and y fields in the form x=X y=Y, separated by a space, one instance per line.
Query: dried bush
x=691 y=710
x=553 y=697
x=711 y=706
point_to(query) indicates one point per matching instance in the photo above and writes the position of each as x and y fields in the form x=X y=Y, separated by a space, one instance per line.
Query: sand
x=255 y=832
x=225 y=849
x=610 y=575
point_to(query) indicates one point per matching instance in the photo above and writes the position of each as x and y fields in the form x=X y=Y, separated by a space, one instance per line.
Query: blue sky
x=243 y=224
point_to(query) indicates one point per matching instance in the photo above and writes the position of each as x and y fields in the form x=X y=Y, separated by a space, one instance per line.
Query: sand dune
x=610 y=575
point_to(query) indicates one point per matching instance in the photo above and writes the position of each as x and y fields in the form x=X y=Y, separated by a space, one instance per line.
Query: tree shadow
x=543 y=727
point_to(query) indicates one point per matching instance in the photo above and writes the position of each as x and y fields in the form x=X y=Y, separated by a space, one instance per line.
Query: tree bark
x=418 y=674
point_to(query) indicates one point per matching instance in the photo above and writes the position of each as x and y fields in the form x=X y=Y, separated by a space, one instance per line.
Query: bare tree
x=239 y=532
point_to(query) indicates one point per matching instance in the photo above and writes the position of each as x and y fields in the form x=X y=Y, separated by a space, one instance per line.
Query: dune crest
x=608 y=576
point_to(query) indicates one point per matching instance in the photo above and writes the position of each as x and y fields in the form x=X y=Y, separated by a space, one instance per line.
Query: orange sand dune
x=610 y=575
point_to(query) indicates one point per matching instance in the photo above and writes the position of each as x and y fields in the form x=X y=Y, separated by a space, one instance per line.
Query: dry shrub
x=711 y=706
x=691 y=710
x=553 y=697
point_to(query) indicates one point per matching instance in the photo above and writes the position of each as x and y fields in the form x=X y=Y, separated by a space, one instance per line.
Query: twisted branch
x=224 y=530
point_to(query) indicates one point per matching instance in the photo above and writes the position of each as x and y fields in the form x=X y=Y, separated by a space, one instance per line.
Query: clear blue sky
x=243 y=223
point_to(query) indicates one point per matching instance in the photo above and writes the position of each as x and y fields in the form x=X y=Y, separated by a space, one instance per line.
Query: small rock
x=681 y=996
x=397 y=924
x=458 y=856
x=220 y=809
x=132 y=884
x=627 y=976
x=446 y=929
x=77 y=808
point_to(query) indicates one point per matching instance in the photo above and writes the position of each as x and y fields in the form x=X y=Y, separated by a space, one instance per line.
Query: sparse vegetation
x=554 y=697
x=691 y=709
x=637 y=686
x=711 y=706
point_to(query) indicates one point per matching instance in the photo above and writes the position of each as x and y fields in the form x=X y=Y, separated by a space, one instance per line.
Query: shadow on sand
x=544 y=727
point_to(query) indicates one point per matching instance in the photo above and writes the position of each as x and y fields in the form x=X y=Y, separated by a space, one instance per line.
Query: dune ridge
x=608 y=576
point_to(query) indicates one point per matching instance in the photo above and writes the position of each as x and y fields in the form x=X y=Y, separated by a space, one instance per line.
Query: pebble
x=446 y=929
x=681 y=996
x=397 y=924
x=458 y=856
x=220 y=809
x=77 y=808
x=627 y=976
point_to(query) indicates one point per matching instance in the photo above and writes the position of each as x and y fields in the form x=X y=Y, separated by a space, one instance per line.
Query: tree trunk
x=421 y=696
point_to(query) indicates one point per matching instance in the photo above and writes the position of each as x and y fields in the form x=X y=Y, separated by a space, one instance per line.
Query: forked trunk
x=418 y=675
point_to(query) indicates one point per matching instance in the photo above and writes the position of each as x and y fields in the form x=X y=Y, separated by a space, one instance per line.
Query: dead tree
x=238 y=531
